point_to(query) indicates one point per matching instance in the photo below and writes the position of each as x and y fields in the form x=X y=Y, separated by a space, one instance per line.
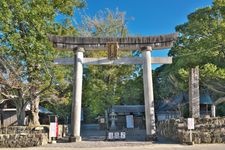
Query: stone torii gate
x=145 y=44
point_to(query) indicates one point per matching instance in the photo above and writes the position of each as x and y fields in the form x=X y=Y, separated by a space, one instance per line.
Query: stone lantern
x=113 y=120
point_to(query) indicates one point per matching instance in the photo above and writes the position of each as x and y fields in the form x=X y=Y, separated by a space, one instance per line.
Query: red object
x=53 y=131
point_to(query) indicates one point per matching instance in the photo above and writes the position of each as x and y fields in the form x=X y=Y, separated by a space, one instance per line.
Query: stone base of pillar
x=75 y=139
x=151 y=138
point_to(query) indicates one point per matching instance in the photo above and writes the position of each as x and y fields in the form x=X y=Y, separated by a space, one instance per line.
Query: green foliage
x=212 y=71
x=132 y=91
x=220 y=110
x=24 y=30
x=202 y=38
x=105 y=23
x=105 y=86
x=201 y=43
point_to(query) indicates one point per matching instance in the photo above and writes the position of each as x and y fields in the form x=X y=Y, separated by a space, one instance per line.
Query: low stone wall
x=207 y=130
x=22 y=136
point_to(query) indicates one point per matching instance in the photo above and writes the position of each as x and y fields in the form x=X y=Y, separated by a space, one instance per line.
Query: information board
x=53 y=129
x=130 y=121
x=191 y=123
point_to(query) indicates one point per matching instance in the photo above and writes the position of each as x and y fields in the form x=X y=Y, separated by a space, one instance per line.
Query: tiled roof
x=128 y=108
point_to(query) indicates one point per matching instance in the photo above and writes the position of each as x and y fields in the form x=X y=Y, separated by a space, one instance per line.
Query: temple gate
x=146 y=44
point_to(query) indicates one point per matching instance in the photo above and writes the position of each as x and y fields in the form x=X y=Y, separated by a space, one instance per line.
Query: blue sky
x=149 y=17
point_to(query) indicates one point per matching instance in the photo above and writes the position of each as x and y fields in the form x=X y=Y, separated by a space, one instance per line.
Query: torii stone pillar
x=148 y=94
x=77 y=95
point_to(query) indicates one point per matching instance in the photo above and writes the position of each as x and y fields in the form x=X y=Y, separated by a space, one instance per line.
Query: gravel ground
x=124 y=145
x=99 y=144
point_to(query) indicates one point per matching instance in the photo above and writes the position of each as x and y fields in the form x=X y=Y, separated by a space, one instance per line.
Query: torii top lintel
x=125 y=43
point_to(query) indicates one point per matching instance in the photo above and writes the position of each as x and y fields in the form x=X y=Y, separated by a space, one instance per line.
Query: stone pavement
x=123 y=145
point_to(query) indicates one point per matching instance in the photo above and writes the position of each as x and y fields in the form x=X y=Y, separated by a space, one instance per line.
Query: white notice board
x=116 y=135
x=110 y=135
x=123 y=135
x=130 y=121
x=53 y=129
x=191 y=123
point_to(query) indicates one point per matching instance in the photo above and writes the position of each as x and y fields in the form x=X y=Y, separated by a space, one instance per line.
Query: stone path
x=125 y=145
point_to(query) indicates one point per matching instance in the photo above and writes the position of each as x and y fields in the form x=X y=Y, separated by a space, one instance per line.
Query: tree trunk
x=20 y=116
x=34 y=117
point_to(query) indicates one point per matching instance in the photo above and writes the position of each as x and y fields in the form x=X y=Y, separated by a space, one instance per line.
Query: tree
x=24 y=30
x=201 y=43
x=105 y=86
x=105 y=23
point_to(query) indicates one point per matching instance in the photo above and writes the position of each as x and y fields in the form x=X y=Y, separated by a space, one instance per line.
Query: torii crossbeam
x=145 y=44
x=126 y=43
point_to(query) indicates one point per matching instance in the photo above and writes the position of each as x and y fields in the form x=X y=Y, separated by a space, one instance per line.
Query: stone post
x=194 y=107
x=213 y=110
x=77 y=94
x=148 y=94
